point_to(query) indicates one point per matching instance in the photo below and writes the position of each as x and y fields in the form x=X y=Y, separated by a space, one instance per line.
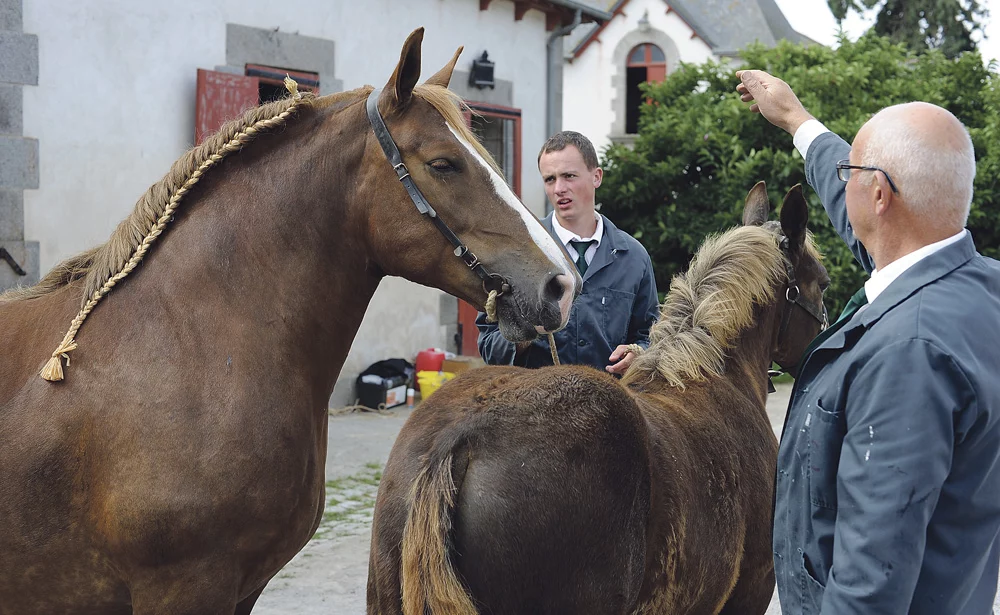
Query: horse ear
x=443 y=76
x=795 y=216
x=407 y=72
x=756 y=207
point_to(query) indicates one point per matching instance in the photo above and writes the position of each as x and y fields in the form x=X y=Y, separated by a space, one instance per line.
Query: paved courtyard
x=329 y=575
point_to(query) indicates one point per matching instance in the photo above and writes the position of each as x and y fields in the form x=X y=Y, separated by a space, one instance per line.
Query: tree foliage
x=699 y=149
x=947 y=25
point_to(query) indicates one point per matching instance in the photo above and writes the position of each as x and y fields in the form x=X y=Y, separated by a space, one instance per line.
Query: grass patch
x=350 y=502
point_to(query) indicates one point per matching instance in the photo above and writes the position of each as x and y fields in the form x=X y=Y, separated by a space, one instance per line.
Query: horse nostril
x=555 y=288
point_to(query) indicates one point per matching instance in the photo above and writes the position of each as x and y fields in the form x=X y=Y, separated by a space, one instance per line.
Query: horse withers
x=180 y=463
x=562 y=490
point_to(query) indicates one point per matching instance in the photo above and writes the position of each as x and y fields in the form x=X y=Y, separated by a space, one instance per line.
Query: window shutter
x=220 y=98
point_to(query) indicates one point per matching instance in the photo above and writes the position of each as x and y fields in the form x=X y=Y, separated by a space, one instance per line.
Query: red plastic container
x=429 y=360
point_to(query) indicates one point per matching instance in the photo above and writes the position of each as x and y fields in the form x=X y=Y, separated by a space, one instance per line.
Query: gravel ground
x=329 y=575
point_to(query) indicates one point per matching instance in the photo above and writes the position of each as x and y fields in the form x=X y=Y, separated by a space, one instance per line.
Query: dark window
x=646 y=63
x=499 y=130
x=271 y=81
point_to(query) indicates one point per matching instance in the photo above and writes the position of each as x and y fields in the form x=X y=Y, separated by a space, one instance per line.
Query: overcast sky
x=813 y=18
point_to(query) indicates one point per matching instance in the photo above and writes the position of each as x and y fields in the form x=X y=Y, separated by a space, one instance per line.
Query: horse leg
x=185 y=590
x=752 y=593
x=246 y=605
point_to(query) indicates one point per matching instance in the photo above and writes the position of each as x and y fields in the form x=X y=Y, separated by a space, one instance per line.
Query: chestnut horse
x=561 y=490
x=180 y=463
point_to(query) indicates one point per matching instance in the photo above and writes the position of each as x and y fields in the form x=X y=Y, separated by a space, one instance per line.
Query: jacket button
x=583 y=342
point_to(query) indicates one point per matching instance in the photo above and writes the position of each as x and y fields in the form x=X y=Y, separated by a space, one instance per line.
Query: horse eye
x=443 y=166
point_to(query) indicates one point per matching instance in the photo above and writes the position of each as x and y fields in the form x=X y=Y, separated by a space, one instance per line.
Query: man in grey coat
x=888 y=481
x=611 y=318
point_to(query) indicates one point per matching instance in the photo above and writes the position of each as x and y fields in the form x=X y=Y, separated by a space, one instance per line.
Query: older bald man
x=888 y=482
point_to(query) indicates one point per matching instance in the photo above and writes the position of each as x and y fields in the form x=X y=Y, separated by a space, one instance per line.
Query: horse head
x=800 y=307
x=464 y=208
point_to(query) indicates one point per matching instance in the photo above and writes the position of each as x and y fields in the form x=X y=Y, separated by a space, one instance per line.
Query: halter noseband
x=491 y=281
x=794 y=296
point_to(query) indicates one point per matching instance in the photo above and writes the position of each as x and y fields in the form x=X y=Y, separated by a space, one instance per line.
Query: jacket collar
x=927 y=270
x=611 y=244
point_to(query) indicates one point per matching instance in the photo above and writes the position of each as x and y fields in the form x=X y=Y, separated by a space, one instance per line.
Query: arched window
x=646 y=62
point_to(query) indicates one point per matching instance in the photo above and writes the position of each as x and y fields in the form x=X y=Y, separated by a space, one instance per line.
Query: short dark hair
x=560 y=140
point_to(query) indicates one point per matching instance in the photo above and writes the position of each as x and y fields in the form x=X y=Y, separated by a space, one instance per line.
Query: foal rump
x=522 y=482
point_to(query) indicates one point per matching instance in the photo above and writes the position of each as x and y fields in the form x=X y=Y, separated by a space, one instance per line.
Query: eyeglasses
x=844 y=172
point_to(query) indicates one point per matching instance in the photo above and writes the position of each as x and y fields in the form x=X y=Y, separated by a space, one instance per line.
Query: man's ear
x=598 y=177
x=883 y=195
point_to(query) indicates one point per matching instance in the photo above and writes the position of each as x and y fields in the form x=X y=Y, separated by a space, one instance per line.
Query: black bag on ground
x=384 y=382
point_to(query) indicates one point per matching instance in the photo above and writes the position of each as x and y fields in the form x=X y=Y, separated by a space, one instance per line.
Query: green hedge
x=699 y=149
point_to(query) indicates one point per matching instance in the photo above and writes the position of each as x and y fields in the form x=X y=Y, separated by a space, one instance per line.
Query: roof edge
x=586 y=9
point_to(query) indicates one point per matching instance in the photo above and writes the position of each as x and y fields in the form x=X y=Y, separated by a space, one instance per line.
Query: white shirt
x=566 y=236
x=880 y=279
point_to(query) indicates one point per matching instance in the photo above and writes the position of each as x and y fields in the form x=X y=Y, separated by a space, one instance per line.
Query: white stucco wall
x=589 y=97
x=115 y=102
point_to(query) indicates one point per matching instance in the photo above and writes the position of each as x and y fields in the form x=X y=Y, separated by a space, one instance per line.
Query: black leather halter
x=794 y=295
x=491 y=281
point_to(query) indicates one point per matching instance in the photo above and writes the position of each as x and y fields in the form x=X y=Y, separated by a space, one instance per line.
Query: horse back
x=551 y=472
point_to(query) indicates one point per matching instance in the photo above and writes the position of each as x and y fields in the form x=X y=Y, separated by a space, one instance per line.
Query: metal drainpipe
x=553 y=85
x=553 y=76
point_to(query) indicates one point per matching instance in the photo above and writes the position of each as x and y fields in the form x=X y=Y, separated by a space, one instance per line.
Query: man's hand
x=773 y=99
x=626 y=357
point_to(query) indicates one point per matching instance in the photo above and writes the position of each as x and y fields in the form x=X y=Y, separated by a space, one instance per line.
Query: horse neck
x=274 y=245
x=750 y=358
x=746 y=362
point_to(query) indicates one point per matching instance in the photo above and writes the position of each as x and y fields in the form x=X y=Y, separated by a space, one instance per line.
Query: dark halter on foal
x=491 y=281
x=794 y=296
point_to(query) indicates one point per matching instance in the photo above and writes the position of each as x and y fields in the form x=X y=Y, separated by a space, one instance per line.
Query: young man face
x=570 y=185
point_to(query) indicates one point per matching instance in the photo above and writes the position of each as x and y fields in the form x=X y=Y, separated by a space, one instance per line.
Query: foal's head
x=460 y=181
x=800 y=310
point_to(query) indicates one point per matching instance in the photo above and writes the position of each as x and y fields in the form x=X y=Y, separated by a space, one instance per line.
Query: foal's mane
x=100 y=264
x=708 y=306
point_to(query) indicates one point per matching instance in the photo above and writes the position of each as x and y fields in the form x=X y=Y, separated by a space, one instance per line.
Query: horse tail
x=429 y=578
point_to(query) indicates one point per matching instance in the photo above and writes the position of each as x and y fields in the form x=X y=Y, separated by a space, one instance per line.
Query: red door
x=220 y=98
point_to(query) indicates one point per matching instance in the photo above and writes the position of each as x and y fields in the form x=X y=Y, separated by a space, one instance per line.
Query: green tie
x=581 y=249
x=854 y=304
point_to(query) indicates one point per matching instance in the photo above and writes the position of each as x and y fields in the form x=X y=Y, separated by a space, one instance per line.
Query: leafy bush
x=699 y=149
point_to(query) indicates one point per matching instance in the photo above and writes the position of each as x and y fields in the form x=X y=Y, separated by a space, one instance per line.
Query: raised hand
x=772 y=98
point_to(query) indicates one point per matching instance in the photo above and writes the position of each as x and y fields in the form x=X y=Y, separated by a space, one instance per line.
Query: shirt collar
x=566 y=236
x=882 y=278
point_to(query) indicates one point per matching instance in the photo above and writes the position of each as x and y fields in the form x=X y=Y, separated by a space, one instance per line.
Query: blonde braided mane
x=710 y=305
x=107 y=265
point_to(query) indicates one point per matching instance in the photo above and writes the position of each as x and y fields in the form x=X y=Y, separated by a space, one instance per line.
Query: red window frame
x=506 y=113
x=467 y=314
x=222 y=96
x=655 y=70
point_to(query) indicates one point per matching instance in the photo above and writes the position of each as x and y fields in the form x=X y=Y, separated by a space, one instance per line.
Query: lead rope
x=491 y=316
x=552 y=349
